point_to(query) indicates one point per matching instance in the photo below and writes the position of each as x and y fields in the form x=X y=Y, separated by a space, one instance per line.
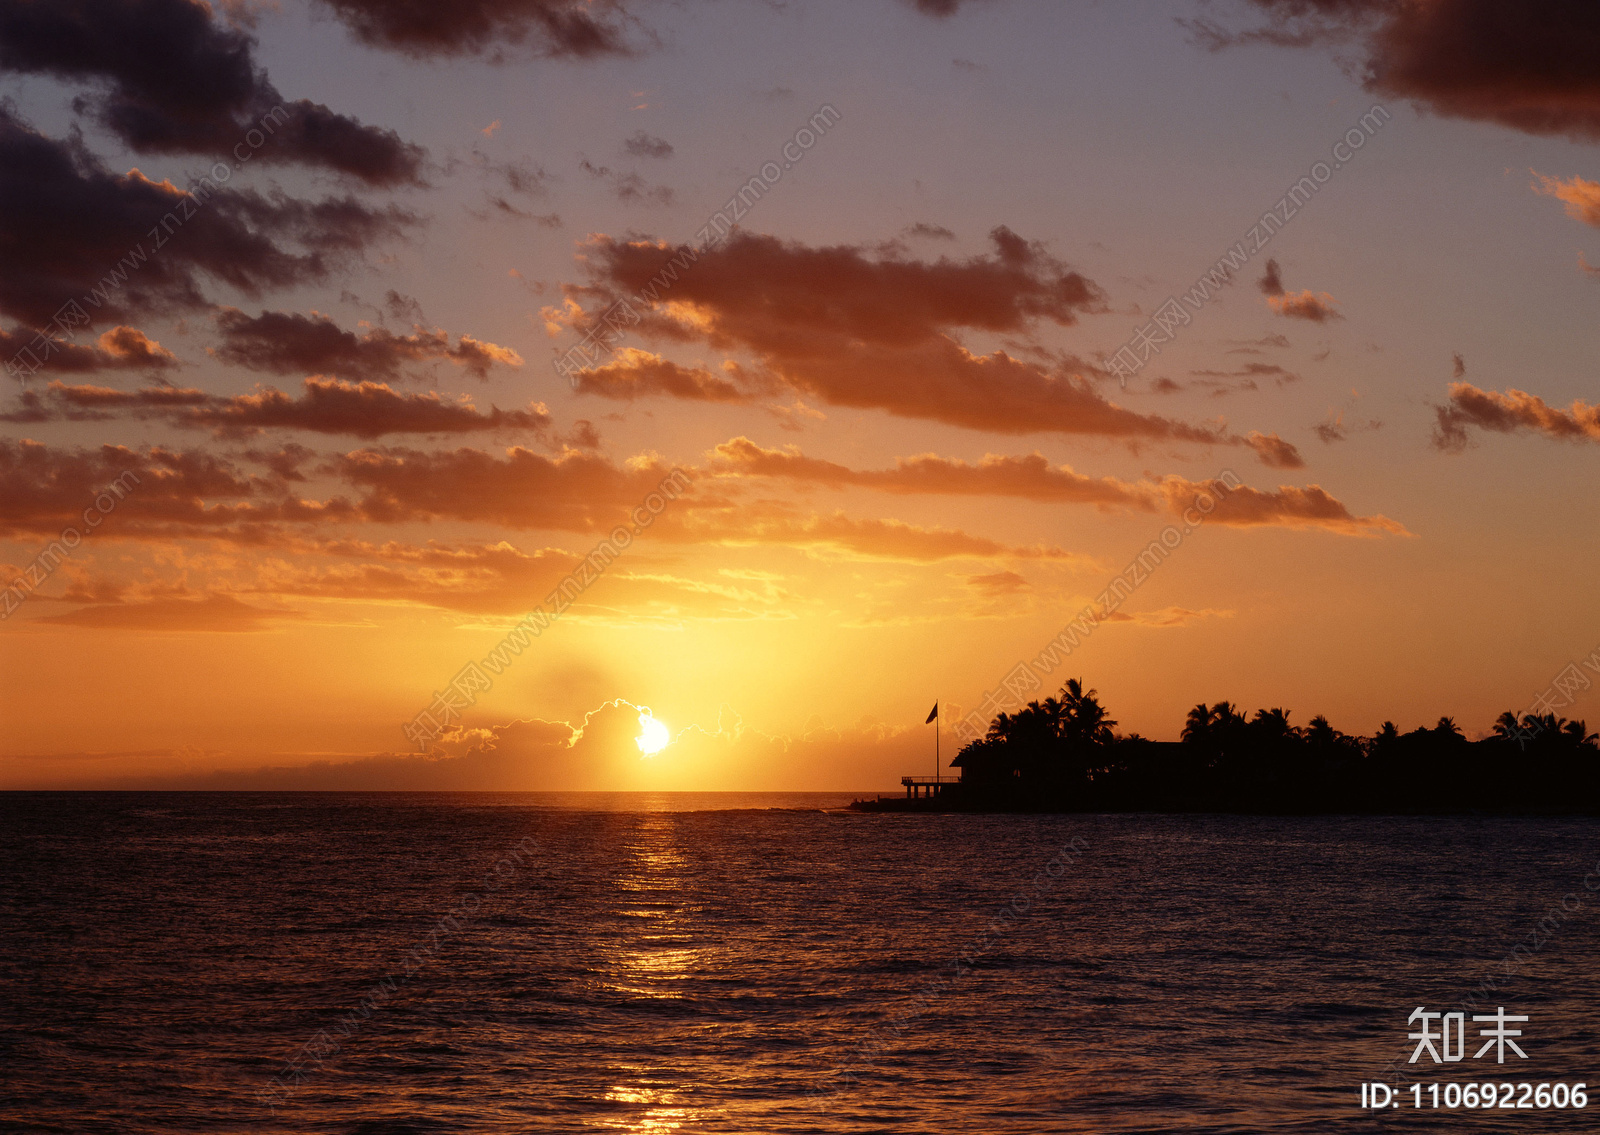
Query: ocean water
x=384 y=964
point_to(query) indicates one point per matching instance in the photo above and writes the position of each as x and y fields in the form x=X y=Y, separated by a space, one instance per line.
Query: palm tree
x=1506 y=727
x=1084 y=720
x=1226 y=718
x=1321 y=735
x=1197 y=726
x=1578 y=733
x=1273 y=724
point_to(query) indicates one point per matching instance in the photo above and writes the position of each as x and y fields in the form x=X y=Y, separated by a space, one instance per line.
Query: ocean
x=411 y=964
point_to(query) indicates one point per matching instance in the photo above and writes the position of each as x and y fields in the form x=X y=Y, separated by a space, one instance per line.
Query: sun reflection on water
x=654 y=957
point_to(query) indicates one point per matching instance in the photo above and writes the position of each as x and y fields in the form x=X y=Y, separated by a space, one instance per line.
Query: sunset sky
x=907 y=460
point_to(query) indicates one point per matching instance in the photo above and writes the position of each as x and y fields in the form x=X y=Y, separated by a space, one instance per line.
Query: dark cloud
x=1458 y=365
x=121 y=348
x=577 y=29
x=939 y=9
x=1335 y=428
x=1510 y=412
x=629 y=187
x=1305 y=305
x=283 y=342
x=1030 y=477
x=930 y=232
x=1288 y=506
x=1271 y=283
x=165 y=492
x=1532 y=67
x=1254 y=346
x=402 y=307
x=1247 y=377
x=635 y=373
x=172 y=80
x=642 y=145
x=505 y=209
x=854 y=327
x=1033 y=478
x=568 y=29
x=573 y=491
x=118 y=244
x=366 y=410
x=1274 y=452
x=326 y=405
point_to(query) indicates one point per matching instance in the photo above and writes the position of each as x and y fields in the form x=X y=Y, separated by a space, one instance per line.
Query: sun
x=653 y=734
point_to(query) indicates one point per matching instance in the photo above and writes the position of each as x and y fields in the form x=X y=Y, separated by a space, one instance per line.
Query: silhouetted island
x=1062 y=755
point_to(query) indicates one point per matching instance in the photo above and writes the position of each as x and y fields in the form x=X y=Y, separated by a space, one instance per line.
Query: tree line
x=1065 y=753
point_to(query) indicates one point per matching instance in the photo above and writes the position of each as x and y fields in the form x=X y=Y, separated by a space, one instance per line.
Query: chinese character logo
x=1454 y=1027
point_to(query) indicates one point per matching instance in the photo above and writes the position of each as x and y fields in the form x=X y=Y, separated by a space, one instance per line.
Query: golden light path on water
x=658 y=960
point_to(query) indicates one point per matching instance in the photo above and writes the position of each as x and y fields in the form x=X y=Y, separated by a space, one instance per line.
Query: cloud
x=1221 y=382
x=326 y=405
x=1536 y=71
x=628 y=187
x=846 y=326
x=1305 y=305
x=120 y=348
x=402 y=306
x=642 y=145
x=1030 y=477
x=165 y=493
x=574 y=491
x=366 y=410
x=838 y=534
x=930 y=232
x=1458 y=365
x=1334 y=429
x=1509 y=412
x=213 y=613
x=1254 y=346
x=290 y=343
x=1581 y=197
x=1274 y=452
x=171 y=80
x=593 y=753
x=1033 y=478
x=63 y=402
x=635 y=373
x=998 y=583
x=578 y=492
x=1167 y=616
x=75 y=232
x=1287 y=507
x=939 y=9
x=493 y=579
x=1271 y=283
x=186 y=493
x=571 y=29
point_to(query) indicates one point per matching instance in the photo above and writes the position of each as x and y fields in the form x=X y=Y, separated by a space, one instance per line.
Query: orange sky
x=858 y=439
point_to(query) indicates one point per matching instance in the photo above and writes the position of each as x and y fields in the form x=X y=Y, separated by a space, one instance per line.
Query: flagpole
x=936 y=742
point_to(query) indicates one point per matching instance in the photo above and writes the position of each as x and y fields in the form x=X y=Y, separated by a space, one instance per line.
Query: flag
x=932 y=713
